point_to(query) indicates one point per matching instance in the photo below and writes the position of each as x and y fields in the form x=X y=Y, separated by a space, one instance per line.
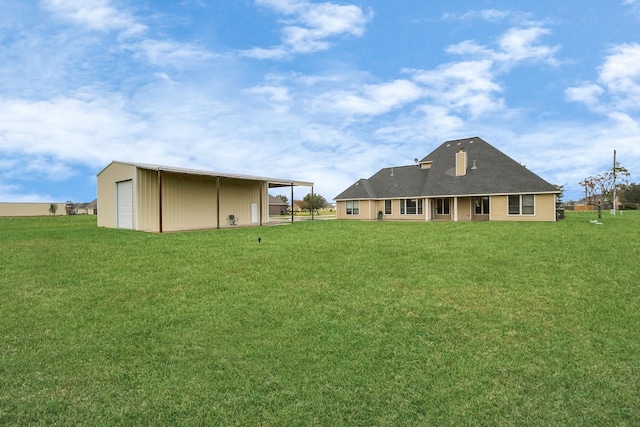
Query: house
x=591 y=203
x=585 y=204
x=277 y=206
x=90 y=208
x=157 y=198
x=461 y=180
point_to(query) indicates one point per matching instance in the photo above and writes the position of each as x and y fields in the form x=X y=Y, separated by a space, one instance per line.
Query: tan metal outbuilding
x=157 y=198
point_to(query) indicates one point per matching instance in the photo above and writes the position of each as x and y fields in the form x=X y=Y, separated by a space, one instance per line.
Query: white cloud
x=272 y=93
x=620 y=73
x=69 y=129
x=520 y=44
x=486 y=14
x=310 y=26
x=164 y=53
x=468 y=87
x=370 y=99
x=588 y=94
x=261 y=53
x=95 y=14
x=617 y=88
x=514 y=46
x=492 y=16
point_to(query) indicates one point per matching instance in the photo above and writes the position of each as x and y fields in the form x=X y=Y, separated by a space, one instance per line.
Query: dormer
x=426 y=164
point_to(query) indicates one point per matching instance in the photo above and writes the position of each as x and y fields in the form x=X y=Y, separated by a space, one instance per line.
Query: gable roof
x=489 y=171
x=273 y=200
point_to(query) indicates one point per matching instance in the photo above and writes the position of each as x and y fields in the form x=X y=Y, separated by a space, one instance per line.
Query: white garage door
x=124 y=191
x=255 y=215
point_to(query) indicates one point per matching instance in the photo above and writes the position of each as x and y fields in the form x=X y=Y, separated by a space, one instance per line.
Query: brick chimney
x=461 y=162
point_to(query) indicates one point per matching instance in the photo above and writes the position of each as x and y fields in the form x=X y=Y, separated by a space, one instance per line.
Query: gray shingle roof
x=494 y=173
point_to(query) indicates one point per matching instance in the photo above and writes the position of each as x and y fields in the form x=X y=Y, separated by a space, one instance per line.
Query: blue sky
x=311 y=90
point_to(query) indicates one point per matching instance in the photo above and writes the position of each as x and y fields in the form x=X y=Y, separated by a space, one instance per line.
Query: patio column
x=455 y=209
x=427 y=209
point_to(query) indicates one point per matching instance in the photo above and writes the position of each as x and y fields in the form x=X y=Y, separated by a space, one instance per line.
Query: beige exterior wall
x=107 y=179
x=397 y=216
x=369 y=211
x=236 y=197
x=31 y=209
x=545 y=209
x=148 y=205
x=341 y=210
x=464 y=209
x=189 y=202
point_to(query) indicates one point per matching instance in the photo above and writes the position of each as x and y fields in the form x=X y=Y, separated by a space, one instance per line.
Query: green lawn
x=322 y=323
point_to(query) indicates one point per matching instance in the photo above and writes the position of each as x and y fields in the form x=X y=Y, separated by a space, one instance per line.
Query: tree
x=53 y=208
x=632 y=193
x=600 y=188
x=314 y=202
x=70 y=208
x=561 y=190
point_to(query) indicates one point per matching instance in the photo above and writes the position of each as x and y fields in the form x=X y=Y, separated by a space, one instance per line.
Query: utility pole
x=614 y=182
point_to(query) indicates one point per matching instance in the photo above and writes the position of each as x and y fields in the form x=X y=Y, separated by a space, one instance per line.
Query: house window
x=411 y=207
x=522 y=205
x=353 y=207
x=387 y=207
x=442 y=207
x=481 y=205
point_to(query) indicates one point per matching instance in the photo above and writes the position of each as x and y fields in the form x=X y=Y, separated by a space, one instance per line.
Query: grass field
x=322 y=323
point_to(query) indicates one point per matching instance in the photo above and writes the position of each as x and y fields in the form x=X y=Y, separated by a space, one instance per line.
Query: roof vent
x=474 y=167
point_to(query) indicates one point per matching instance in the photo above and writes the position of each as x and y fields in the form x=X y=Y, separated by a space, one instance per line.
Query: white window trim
x=443 y=206
x=473 y=207
x=353 y=207
x=419 y=204
x=520 y=213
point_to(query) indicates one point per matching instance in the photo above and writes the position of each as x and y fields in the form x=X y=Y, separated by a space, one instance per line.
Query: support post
x=292 y=202
x=218 y=201
x=312 y=204
x=614 y=182
x=261 y=201
x=159 y=200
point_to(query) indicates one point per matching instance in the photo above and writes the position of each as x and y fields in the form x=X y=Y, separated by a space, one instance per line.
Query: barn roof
x=273 y=182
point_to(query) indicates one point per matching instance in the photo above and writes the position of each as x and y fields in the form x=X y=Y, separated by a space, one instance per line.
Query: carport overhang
x=269 y=182
x=292 y=184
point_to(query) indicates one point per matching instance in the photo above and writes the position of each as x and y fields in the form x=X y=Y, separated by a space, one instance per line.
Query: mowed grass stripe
x=321 y=323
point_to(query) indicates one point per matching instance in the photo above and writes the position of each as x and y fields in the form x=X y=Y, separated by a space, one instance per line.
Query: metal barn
x=155 y=198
